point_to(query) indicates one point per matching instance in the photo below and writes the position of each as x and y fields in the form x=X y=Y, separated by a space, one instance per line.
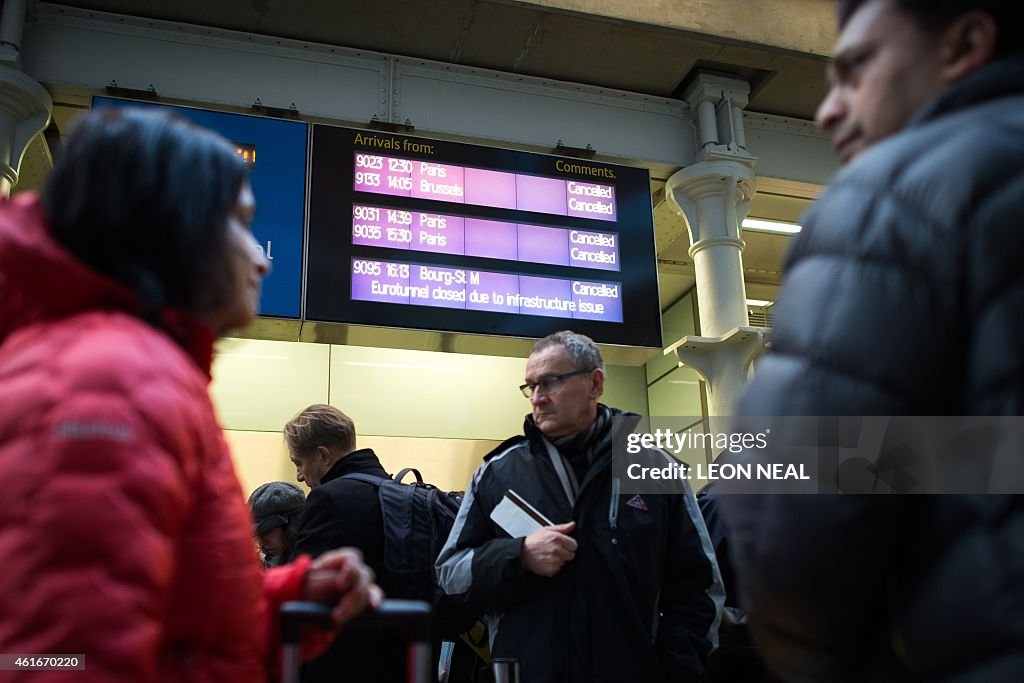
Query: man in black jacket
x=339 y=512
x=620 y=587
x=904 y=296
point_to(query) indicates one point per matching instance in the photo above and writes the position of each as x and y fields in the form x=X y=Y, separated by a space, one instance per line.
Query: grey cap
x=272 y=503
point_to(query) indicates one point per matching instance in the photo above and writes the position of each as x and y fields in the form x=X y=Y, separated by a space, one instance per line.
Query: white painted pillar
x=706 y=122
x=12 y=25
x=25 y=105
x=714 y=196
x=739 y=135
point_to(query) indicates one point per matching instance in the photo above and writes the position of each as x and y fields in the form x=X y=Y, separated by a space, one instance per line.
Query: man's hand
x=341 y=576
x=546 y=550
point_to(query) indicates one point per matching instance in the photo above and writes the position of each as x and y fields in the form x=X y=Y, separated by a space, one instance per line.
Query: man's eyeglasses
x=550 y=384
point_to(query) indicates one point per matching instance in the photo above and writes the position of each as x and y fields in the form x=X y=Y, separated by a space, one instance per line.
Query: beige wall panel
x=625 y=387
x=437 y=412
x=393 y=392
x=447 y=463
x=259 y=457
x=677 y=394
x=259 y=385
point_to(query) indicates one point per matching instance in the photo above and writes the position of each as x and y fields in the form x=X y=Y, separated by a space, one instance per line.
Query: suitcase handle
x=410 y=616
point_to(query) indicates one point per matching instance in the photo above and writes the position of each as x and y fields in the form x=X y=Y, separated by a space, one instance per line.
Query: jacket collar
x=532 y=432
x=41 y=281
x=362 y=461
x=1000 y=78
x=605 y=450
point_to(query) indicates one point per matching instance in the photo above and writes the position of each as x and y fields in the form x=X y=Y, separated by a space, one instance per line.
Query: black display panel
x=425 y=234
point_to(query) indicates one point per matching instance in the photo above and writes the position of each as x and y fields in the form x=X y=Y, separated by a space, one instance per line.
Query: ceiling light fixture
x=780 y=227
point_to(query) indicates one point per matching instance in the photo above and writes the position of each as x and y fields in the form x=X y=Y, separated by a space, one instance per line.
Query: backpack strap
x=365 y=478
x=407 y=470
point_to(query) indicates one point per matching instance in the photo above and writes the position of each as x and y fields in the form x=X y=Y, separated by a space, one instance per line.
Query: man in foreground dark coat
x=904 y=296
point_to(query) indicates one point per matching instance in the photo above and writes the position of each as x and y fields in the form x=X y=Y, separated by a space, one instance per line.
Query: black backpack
x=417 y=519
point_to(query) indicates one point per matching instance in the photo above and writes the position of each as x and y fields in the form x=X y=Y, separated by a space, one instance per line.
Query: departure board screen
x=427 y=234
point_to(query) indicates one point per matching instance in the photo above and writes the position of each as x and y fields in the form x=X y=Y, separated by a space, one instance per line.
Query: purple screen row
x=481 y=187
x=475 y=290
x=418 y=231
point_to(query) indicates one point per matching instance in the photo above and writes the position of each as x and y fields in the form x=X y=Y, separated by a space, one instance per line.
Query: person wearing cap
x=276 y=512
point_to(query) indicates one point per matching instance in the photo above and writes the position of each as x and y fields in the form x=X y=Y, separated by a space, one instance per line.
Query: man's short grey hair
x=582 y=350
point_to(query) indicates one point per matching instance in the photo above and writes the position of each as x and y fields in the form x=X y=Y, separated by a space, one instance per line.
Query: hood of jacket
x=40 y=281
x=1000 y=78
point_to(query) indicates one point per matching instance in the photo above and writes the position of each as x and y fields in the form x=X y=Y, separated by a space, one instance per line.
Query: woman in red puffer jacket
x=123 y=531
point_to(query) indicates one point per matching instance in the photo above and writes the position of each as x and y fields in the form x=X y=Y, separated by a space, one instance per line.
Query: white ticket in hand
x=517 y=517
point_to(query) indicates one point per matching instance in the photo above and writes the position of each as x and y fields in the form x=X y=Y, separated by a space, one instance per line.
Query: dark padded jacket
x=904 y=295
x=640 y=601
x=344 y=512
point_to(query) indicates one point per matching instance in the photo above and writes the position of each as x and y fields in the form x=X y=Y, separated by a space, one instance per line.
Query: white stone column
x=25 y=106
x=714 y=196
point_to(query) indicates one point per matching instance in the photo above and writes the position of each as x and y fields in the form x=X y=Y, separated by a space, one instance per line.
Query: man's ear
x=597 y=386
x=968 y=44
x=324 y=453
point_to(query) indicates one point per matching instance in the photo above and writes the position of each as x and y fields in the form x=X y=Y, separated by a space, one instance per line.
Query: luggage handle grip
x=413 y=616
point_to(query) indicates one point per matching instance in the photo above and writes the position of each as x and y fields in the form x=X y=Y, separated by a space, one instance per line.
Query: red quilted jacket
x=124 y=535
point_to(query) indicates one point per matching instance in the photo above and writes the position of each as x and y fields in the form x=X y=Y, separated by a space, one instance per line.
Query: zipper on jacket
x=613 y=509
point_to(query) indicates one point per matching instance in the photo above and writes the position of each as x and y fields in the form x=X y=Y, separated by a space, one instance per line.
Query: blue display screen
x=275 y=152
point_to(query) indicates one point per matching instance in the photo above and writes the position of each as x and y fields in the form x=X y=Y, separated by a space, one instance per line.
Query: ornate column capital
x=714 y=88
x=717 y=103
x=25 y=108
x=724 y=177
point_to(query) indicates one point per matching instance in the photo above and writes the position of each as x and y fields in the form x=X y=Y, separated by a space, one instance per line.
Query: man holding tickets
x=580 y=583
